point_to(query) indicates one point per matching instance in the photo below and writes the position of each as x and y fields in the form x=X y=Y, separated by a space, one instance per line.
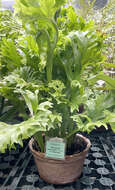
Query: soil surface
x=76 y=147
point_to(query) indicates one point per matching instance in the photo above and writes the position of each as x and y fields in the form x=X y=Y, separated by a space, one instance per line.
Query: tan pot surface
x=60 y=171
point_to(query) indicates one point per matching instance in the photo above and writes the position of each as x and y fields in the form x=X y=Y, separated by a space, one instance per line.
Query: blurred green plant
x=10 y=30
x=104 y=22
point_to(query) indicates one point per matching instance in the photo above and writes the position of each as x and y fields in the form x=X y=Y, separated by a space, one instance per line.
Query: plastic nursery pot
x=60 y=171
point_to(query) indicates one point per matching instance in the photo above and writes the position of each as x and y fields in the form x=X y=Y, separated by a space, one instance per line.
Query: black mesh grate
x=18 y=171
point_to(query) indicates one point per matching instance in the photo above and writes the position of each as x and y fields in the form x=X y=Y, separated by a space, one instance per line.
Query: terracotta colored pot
x=60 y=171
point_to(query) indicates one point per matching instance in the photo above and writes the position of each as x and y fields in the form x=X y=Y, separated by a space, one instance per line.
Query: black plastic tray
x=18 y=171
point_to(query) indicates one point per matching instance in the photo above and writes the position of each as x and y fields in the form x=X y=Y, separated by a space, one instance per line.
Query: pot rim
x=41 y=156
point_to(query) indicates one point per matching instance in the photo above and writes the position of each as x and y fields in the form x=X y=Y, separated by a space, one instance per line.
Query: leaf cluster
x=51 y=75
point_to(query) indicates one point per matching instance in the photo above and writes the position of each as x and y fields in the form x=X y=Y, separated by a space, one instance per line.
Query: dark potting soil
x=76 y=147
x=35 y=146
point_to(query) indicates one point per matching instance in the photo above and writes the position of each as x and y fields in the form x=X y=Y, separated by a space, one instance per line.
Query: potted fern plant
x=62 y=99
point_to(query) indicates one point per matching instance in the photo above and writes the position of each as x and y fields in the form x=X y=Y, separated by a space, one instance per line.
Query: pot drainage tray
x=18 y=170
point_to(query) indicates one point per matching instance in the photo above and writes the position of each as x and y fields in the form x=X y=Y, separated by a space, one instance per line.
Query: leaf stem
x=50 y=52
x=2 y=105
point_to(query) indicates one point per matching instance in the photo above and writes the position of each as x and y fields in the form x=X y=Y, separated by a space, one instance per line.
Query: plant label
x=55 y=148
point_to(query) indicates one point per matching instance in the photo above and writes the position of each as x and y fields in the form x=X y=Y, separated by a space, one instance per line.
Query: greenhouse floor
x=18 y=171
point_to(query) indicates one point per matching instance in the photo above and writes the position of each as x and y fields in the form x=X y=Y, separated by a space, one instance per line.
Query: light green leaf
x=89 y=126
x=10 y=54
x=31 y=99
x=96 y=107
x=57 y=91
x=45 y=106
x=11 y=134
x=110 y=118
x=110 y=81
x=39 y=8
x=43 y=120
